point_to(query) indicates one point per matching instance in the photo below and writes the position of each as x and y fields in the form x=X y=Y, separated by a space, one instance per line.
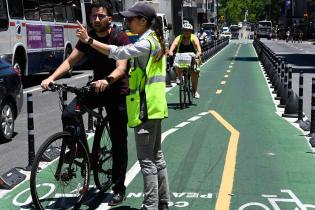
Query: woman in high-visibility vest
x=188 y=42
x=146 y=103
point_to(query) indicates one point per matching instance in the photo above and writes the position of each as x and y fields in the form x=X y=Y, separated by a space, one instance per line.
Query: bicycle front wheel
x=182 y=95
x=102 y=157
x=62 y=182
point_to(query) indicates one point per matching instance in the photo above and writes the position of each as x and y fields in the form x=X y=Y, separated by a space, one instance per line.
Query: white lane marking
x=182 y=124
x=194 y=118
x=230 y=67
x=228 y=71
x=32 y=90
x=226 y=76
x=135 y=169
x=79 y=77
x=223 y=82
x=38 y=87
x=203 y=113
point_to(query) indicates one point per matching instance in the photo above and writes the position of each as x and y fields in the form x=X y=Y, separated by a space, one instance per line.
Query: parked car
x=226 y=34
x=11 y=98
x=225 y=29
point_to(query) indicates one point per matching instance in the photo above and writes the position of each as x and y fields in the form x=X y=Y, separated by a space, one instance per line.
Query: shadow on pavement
x=95 y=198
x=124 y=208
x=249 y=59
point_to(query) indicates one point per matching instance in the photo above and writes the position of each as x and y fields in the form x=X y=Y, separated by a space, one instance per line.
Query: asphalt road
x=47 y=120
x=301 y=57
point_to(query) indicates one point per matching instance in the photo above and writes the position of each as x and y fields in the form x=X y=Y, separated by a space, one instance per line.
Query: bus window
x=46 y=10
x=60 y=11
x=31 y=9
x=16 y=9
x=77 y=10
x=70 y=12
x=4 y=20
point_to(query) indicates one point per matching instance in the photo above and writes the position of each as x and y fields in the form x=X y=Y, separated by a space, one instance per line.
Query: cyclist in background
x=188 y=42
x=107 y=73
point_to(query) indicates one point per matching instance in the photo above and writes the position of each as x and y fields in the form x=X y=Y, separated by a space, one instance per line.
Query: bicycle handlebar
x=53 y=87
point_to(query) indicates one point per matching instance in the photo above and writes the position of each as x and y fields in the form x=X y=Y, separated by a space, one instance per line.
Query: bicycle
x=274 y=200
x=186 y=63
x=72 y=160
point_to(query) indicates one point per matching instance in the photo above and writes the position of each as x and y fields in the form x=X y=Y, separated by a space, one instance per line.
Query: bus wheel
x=68 y=52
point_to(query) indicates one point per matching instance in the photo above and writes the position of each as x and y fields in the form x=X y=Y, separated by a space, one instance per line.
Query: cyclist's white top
x=140 y=50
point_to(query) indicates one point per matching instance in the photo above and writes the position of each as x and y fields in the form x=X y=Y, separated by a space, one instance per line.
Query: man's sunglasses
x=100 y=17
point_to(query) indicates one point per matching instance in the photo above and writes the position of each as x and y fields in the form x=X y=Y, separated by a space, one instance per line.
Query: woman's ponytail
x=158 y=29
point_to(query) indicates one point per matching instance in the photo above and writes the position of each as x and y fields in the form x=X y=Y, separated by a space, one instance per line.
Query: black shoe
x=117 y=199
x=163 y=206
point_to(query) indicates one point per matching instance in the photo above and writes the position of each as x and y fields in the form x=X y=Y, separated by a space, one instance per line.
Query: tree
x=234 y=10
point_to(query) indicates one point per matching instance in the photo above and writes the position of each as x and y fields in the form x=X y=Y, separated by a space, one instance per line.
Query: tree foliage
x=234 y=10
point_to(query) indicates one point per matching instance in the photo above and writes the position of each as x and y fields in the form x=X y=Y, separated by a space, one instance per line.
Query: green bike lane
x=228 y=149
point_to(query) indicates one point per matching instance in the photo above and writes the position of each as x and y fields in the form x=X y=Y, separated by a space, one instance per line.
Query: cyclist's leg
x=179 y=75
x=117 y=117
x=194 y=81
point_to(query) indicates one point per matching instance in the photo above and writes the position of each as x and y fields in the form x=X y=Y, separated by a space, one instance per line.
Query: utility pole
x=216 y=1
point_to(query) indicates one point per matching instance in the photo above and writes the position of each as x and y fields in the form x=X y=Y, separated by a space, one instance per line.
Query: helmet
x=187 y=26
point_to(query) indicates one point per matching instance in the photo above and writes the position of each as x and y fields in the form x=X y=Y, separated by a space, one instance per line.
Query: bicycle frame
x=80 y=109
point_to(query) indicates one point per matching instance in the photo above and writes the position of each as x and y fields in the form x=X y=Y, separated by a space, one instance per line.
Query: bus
x=264 y=29
x=37 y=35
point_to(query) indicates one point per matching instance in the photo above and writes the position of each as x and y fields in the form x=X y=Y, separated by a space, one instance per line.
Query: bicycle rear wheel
x=62 y=182
x=189 y=90
x=102 y=157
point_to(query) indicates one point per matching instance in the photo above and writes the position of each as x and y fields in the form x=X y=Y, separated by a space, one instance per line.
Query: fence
x=279 y=75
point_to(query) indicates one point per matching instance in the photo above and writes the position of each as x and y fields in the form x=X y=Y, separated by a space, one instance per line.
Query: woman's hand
x=82 y=33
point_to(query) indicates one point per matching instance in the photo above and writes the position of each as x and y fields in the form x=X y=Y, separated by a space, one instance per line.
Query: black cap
x=140 y=9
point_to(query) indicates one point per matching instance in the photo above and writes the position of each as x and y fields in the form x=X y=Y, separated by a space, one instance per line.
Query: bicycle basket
x=182 y=60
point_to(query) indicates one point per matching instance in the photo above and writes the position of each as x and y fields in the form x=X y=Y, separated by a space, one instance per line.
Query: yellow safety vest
x=146 y=100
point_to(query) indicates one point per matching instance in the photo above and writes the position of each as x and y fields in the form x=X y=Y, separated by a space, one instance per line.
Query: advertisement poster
x=39 y=36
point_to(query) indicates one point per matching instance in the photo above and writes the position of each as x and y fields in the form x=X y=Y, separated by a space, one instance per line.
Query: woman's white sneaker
x=196 y=95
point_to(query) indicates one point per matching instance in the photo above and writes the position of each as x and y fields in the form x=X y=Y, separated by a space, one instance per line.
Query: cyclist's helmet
x=187 y=26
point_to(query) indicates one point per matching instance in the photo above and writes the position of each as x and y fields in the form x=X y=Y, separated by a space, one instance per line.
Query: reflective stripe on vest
x=150 y=83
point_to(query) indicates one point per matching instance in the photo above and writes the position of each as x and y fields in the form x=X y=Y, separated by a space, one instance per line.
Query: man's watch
x=109 y=79
x=90 y=41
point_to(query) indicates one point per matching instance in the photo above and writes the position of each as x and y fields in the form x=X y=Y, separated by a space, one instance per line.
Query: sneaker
x=177 y=81
x=196 y=95
x=117 y=199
